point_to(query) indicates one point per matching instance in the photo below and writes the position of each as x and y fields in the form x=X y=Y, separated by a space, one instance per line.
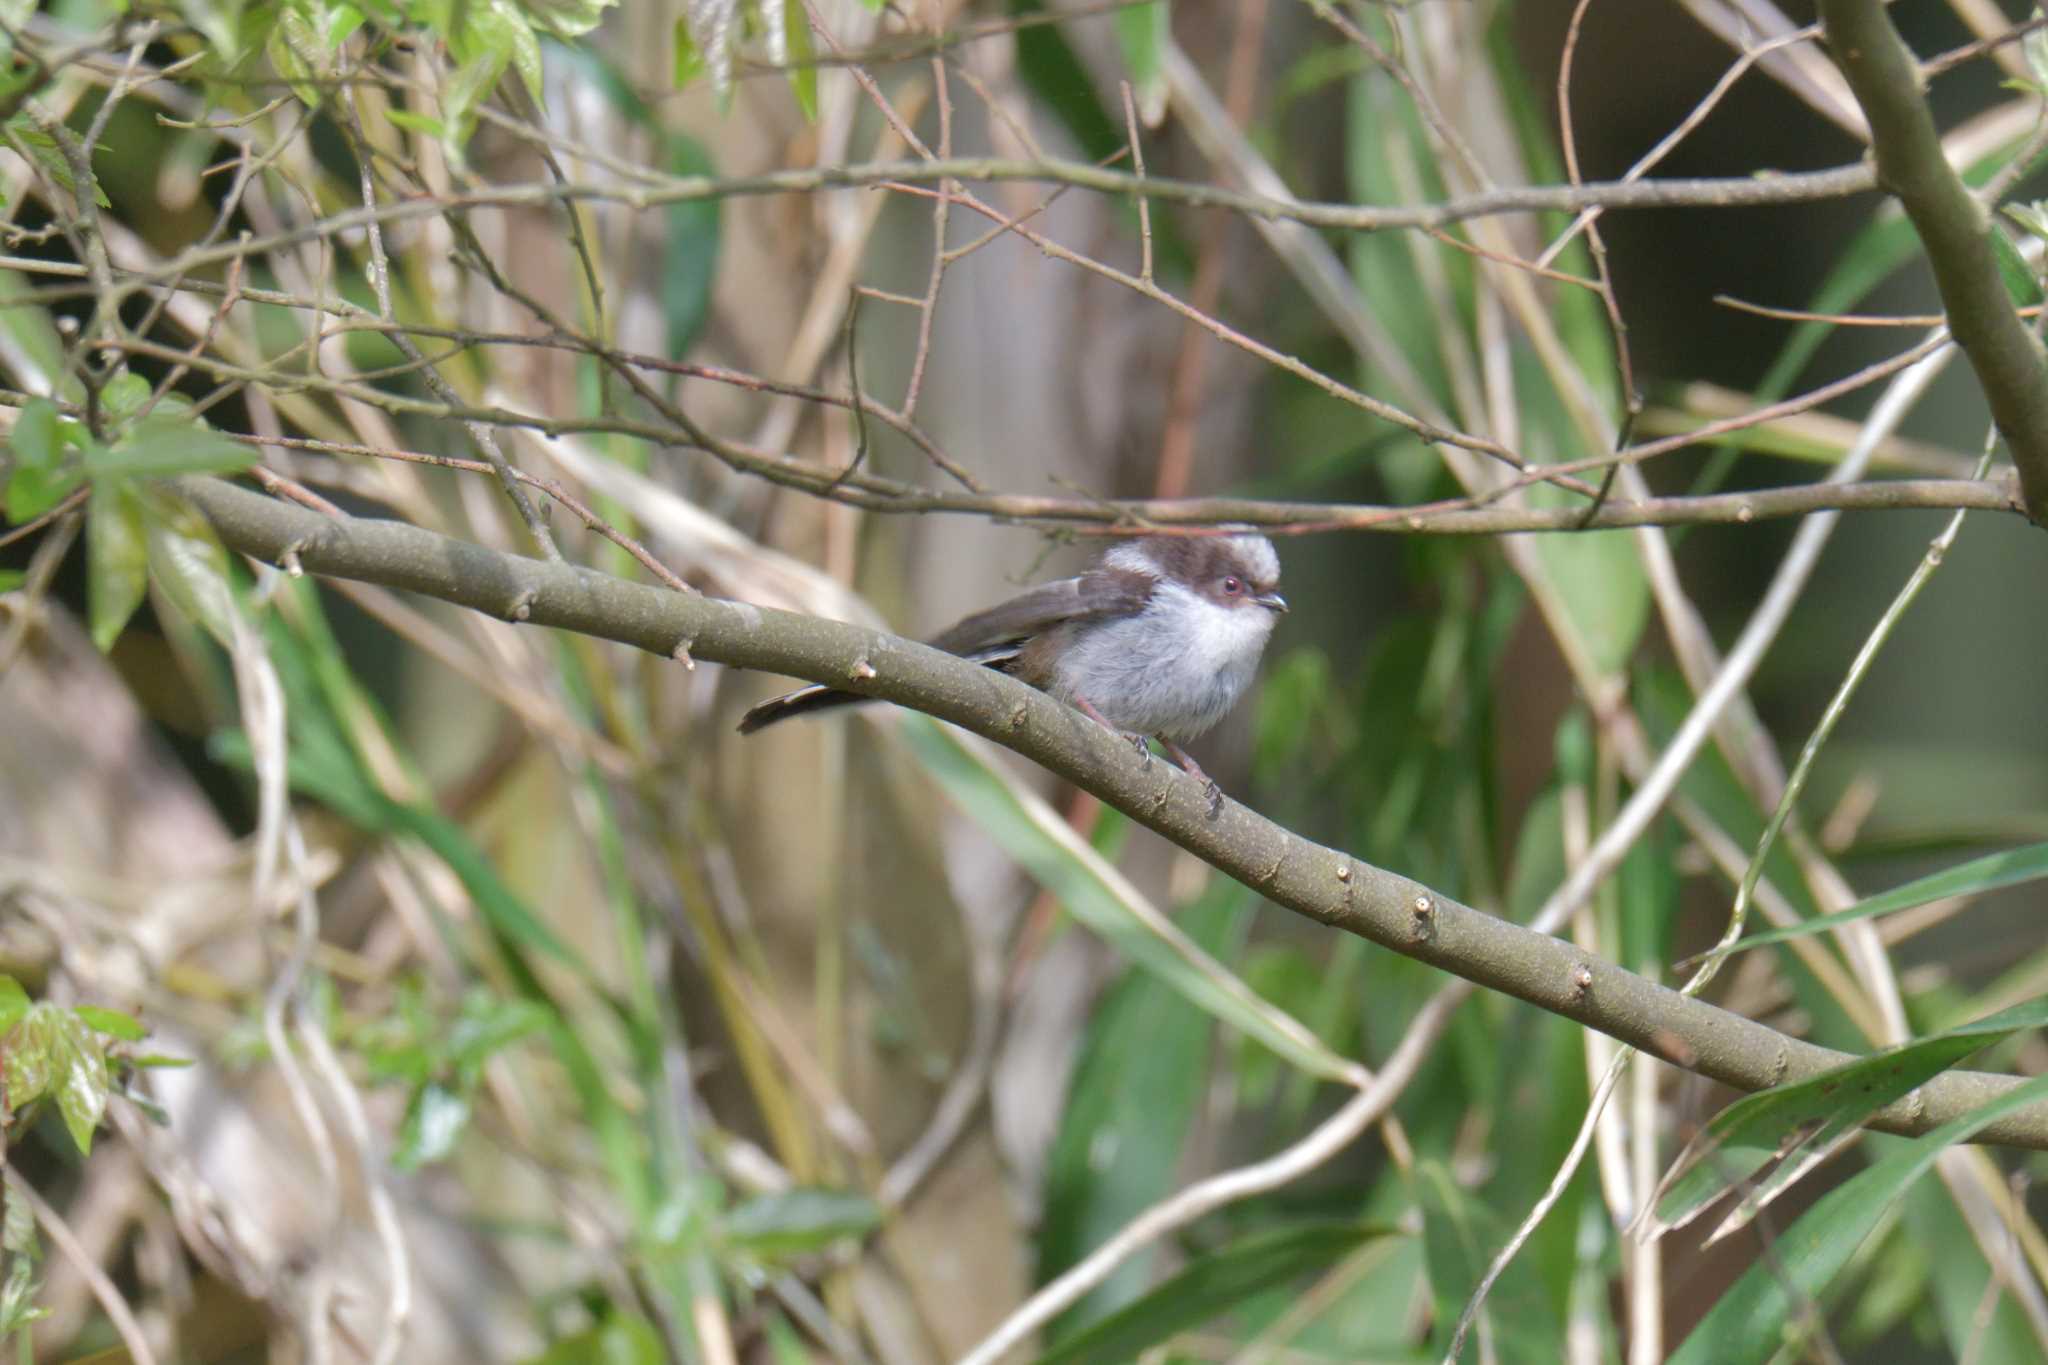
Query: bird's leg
x=1194 y=770
x=1087 y=708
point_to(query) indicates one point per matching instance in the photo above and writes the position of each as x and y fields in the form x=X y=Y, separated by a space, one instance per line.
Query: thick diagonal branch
x=1955 y=229
x=1322 y=883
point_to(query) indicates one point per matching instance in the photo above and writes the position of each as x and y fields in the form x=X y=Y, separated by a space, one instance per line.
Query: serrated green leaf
x=113 y=1023
x=18 y=1293
x=1212 y=1285
x=82 y=1082
x=17 y=1227
x=117 y=558
x=1750 y=1322
x=165 y=446
x=799 y=1222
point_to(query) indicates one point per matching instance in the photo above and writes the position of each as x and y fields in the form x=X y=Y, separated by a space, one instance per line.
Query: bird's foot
x=1138 y=742
x=1210 y=788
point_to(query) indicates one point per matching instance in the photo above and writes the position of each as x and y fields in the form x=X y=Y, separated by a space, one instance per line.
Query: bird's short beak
x=1271 y=601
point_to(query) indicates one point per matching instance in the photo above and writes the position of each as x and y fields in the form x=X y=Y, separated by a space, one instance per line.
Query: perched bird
x=1160 y=638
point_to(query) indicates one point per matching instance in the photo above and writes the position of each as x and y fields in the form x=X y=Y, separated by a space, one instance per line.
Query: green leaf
x=37 y=357
x=525 y=50
x=34 y=439
x=117 y=558
x=113 y=1023
x=418 y=123
x=1212 y=1285
x=1143 y=31
x=290 y=48
x=1124 y=1125
x=1098 y=896
x=1602 y=583
x=161 y=447
x=2022 y=285
x=621 y=1339
x=11 y=579
x=689 y=58
x=1460 y=1232
x=803 y=70
x=124 y=396
x=1751 y=1321
x=82 y=1081
x=190 y=567
x=1800 y=1126
x=801 y=1221
x=690 y=249
x=39 y=480
x=434 y=1119
x=42 y=149
x=14 y=1003
x=51 y=1054
x=1974 y=878
x=1054 y=73
x=567 y=18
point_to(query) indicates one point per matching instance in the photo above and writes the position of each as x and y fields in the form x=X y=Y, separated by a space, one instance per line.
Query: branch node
x=1582 y=981
x=522 y=606
x=681 y=653
x=1422 y=919
x=1343 y=872
x=862 y=670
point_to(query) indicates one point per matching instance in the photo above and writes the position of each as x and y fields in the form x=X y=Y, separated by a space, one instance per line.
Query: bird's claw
x=1215 y=794
x=1144 y=749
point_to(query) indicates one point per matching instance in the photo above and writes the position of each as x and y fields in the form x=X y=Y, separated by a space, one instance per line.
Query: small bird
x=1160 y=638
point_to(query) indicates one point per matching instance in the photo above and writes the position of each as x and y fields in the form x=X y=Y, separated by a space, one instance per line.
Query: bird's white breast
x=1173 y=669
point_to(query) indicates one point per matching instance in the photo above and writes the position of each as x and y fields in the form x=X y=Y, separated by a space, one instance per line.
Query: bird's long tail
x=818 y=697
x=801 y=702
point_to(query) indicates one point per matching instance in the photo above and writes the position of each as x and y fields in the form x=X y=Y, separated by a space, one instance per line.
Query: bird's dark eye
x=1232 y=587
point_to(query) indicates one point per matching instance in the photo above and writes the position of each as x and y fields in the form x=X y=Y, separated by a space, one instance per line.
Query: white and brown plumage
x=1161 y=638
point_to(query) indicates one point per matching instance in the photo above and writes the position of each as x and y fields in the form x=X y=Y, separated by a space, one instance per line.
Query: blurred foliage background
x=441 y=990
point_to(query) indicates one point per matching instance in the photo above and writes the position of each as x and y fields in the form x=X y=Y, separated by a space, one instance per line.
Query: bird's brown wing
x=994 y=637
